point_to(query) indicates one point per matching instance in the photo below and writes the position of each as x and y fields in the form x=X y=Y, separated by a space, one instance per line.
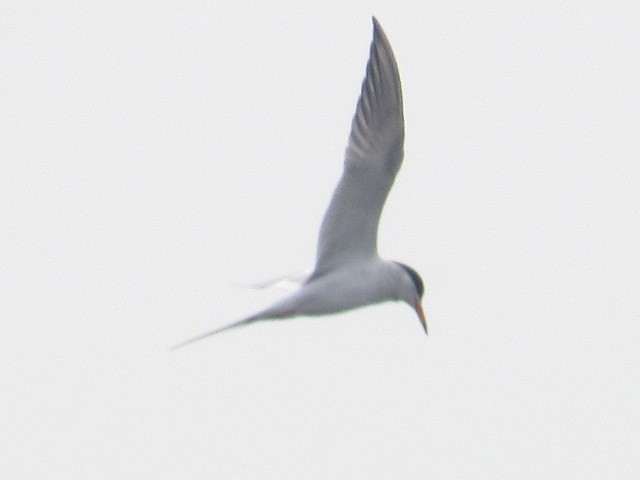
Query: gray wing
x=374 y=154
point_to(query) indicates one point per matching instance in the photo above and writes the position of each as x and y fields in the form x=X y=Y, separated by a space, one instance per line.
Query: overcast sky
x=153 y=158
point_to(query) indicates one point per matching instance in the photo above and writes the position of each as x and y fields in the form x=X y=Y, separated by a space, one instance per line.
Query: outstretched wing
x=374 y=154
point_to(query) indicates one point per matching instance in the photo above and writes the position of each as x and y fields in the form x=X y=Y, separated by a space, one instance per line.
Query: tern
x=348 y=272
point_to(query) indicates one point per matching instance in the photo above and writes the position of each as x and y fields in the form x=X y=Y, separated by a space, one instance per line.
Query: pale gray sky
x=152 y=157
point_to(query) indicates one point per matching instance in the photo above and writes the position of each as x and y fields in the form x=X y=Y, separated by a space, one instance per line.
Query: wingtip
x=210 y=333
x=376 y=24
x=379 y=37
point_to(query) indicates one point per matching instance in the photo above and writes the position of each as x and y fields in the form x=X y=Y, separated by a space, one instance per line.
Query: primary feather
x=374 y=154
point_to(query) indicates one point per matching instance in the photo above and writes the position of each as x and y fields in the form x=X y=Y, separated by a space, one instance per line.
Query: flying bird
x=348 y=272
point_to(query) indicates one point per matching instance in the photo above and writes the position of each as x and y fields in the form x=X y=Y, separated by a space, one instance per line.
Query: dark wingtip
x=377 y=28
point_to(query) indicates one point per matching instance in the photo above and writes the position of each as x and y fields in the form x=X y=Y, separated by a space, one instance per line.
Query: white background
x=153 y=156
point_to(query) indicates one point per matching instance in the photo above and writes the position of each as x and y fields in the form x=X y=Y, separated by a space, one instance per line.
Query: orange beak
x=420 y=312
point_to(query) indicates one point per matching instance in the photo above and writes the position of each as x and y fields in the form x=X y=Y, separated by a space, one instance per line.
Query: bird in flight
x=348 y=272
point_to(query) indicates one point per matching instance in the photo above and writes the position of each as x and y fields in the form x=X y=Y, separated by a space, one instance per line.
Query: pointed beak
x=418 y=308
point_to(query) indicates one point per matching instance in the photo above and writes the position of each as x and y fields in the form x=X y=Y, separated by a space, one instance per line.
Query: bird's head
x=411 y=289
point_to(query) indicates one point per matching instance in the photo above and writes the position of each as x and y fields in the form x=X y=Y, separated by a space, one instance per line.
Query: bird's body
x=349 y=273
x=363 y=283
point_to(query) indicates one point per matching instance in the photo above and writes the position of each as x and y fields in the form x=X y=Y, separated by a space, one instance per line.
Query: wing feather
x=373 y=157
